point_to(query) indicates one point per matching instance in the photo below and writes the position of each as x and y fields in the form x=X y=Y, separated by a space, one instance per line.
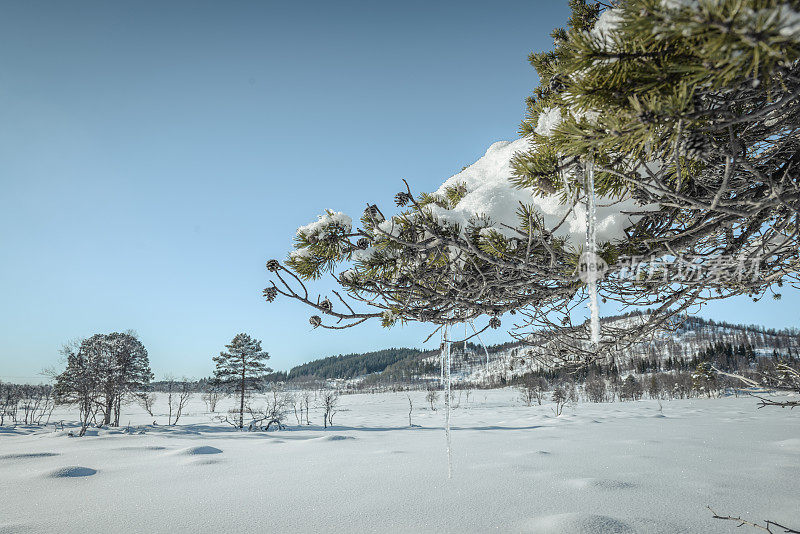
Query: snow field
x=620 y=467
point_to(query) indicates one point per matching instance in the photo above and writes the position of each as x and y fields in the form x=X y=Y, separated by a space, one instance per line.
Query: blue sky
x=154 y=155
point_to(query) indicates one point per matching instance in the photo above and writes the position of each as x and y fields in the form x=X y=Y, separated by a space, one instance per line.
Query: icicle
x=441 y=355
x=465 y=343
x=446 y=369
x=591 y=249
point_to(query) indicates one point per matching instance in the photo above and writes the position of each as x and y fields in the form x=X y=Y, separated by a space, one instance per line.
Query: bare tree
x=560 y=399
x=178 y=394
x=9 y=399
x=532 y=388
x=147 y=400
x=595 y=389
x=777 y=376
x=46 y=404
x=631 y=389
x=271 y=413
x=212 y=395
x=305 y=403
x=431 y=397
x=329 y=399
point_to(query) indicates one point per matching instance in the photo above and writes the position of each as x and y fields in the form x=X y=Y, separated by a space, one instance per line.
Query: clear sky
x=153 y=155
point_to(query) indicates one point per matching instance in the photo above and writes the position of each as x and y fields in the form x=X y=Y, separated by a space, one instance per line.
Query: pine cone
x=557 y=83
x=315 y=321
x=402 y=198
x=270 y=293
x=273 y=266
x=326 y=304
x=363 y=243
x=348 y=277
x=647 y=117
x=409 y=254
x=546 y=185
x=494 y=323
x=697 y=146
x=373 y=213
x=409 y=234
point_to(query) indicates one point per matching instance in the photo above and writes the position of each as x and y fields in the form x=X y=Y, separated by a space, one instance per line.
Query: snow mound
x=601 y=484
x=578 y=523
x=72 y=471
x=204 y=461
x=142 y=448
x=491 y=195
x=15 y=529
x=200 y=449
x=27 y=455
x=337 y=437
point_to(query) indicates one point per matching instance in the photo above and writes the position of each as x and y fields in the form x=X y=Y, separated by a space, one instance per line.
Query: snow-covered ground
x=622 y=467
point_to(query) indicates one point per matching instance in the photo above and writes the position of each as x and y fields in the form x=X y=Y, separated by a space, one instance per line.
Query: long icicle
x=446 y=359
x=591 y=249
x=441 y=356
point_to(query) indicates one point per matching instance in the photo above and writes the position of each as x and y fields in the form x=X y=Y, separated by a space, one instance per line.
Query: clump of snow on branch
x=299 y=254
x=492 y=199
x=329 y=219
x=789 y=22
x=606 y=25
x=549 y=119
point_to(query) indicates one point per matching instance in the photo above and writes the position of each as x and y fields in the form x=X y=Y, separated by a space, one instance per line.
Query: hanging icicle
x=591 y=252
x=441 y=355
x=446 y=370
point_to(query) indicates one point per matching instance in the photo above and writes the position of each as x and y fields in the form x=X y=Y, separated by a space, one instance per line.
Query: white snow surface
x=548 y=120
x=599 y=468
x=491 y=195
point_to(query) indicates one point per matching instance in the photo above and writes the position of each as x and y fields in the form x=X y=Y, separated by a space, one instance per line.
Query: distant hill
x=353 y=365
x=670 y=349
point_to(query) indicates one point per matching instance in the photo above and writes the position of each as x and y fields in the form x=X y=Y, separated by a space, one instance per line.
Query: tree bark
x=107 y=414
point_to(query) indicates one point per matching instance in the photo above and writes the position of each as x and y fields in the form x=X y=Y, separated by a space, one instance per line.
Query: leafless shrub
x=328 y=399
x=431 y=397
x=595 y=389
x=212 y=396
x=147 y=400
x=532 y=388
x=766 y=527
x=178 y=394
x=271 y=413
x=560 y=399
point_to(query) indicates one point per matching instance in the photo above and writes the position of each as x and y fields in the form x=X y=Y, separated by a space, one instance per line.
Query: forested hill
x=408 y=364
x=395 y=363
x=352 y=365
